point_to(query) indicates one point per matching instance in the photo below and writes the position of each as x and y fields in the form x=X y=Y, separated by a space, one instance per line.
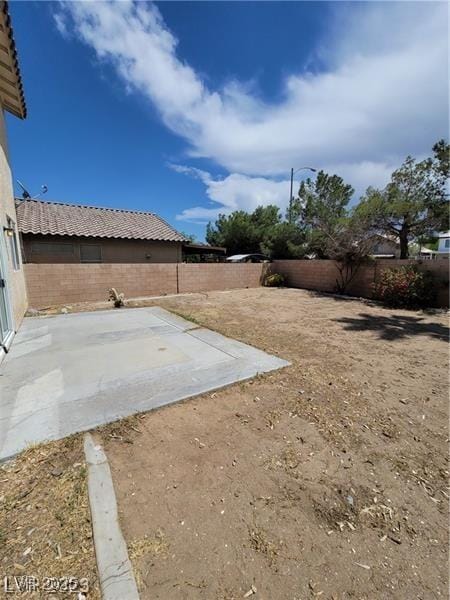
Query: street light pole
x=291 y=197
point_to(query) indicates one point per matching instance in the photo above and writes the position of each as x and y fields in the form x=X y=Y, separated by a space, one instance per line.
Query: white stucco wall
x=15 y=280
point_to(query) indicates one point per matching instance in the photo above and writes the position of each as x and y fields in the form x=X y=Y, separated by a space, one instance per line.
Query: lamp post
x=292 y=185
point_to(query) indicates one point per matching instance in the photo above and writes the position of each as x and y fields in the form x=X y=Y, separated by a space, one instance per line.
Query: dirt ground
x=326 y=479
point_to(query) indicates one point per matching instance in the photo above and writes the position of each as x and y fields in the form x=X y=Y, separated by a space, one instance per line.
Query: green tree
x=189 y=236
x=414 y=203
x=242 y=232
x=322 y=209
x=284 y=240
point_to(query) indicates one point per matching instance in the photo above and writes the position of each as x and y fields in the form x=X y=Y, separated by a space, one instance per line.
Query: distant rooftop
x=55 y=218
x=11 y=89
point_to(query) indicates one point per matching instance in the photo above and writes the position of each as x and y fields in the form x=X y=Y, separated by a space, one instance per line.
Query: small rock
x=250 y=592
x=56 y=472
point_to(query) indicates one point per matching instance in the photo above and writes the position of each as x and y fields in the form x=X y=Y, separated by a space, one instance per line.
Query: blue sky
x=191 y=109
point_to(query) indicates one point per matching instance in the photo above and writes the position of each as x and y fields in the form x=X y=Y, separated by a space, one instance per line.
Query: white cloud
x=384 y=95
x=234 y=192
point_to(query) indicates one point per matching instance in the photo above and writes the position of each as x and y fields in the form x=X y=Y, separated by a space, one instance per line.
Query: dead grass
x=44 y=515
x=144 y=546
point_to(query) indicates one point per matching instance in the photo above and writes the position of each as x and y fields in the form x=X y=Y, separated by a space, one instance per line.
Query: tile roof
x=54 y=218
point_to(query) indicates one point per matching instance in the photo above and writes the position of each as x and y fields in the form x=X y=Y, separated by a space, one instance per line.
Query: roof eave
x=97 y=237
x=12 y=97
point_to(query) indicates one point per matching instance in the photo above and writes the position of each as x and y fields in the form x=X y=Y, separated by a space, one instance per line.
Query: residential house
x=444 y=244
x=13 y=296
x=384 y=247
x=53 y=232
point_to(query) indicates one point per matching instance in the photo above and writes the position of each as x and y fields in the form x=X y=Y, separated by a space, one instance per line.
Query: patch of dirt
x=45 y=527
x=326 y=479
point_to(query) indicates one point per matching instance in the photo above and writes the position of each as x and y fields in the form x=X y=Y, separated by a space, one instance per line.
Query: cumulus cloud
x=234 y=192
x=382 y=95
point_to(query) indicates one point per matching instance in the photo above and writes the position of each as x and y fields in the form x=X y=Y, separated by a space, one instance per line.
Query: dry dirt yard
x=327 y=479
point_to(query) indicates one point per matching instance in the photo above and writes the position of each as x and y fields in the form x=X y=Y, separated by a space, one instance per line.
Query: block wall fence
x=321 y=275
x=55 y=284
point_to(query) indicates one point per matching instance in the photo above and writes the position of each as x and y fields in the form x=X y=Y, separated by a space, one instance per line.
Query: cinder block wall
x=321 y=275
x=53 y=284
x=69 y=283
x=208 y=277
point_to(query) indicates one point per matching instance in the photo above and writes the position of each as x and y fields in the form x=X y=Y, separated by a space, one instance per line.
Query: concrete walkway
x=70 y=373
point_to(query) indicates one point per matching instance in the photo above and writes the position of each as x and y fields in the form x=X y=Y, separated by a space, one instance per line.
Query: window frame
x=46 y=248
x=100 y=260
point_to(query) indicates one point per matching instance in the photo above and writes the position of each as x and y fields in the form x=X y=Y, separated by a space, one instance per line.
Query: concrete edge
x=116 y=575
x=172 y=318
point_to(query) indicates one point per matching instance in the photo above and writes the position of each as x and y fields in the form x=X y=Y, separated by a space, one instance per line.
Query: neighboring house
x=384 y=247
x=13 y=297
x=444 y=243
x=425 y=253
x=53 y=232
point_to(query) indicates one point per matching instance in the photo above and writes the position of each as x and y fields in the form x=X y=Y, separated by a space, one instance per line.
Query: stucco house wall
x=67 y=249
x=15 y=280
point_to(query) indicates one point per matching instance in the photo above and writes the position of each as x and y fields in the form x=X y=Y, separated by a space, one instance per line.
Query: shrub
x=116 y=298
x=405 y=287
x=274 y=280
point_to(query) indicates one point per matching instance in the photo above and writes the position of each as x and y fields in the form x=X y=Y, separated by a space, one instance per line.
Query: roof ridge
x=122 y=210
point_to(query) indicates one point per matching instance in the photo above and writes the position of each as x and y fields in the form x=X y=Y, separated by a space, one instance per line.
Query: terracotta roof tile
x=52 y=218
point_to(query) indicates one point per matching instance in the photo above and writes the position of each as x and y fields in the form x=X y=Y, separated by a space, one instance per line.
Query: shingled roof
x=54 y=218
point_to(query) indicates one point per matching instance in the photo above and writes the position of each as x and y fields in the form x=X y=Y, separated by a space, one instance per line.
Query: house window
x=52 y=249
x=13 y=245
x=447 y=244
x=90 y=253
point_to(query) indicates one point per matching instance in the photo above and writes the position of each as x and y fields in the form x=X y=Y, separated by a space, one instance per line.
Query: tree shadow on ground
x=395 y=327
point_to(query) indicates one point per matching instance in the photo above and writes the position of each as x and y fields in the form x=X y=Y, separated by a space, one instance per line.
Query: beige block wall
x=54 y=284
x=194 y=277
x=15 y=280
x=50 y=284
x=321 y=275
x=113 y=250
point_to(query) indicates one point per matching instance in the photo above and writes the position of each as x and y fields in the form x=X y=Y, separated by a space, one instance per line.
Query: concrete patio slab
x=70 y=373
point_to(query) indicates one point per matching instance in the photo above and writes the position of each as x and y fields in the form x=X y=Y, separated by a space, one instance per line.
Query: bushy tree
x=236 y=232
x=414 y=204
x=259 y=231
x=284 y=240
x=322 y=209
